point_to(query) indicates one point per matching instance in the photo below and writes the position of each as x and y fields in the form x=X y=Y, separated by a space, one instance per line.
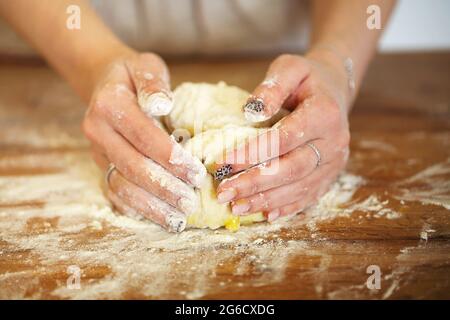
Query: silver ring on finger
x=109 y=171
x=316 y=151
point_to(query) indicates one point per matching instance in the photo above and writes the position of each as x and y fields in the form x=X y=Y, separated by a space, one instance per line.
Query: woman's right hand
x=154 y=176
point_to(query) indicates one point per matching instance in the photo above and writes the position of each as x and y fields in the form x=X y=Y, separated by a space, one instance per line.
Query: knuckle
x=291 y=60
x=114 y=113
x=287 y=57
x=345 y=138
x=89 y=129
x=153 y=58
x=151 y=55
x=98 y=106
x=111 y=99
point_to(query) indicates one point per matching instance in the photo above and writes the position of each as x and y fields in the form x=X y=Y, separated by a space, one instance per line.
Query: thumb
x=282 y=79
x=150 y=76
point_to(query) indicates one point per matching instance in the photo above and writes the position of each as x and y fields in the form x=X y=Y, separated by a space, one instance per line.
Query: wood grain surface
x=400 y=147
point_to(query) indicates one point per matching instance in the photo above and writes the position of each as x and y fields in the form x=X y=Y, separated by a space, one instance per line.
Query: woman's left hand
x=305 y=151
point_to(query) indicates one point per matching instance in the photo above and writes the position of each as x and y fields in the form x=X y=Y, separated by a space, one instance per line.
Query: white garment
x=207 y=26
x=180 y=27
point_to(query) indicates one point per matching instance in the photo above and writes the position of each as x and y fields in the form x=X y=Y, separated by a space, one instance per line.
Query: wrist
x=340 y=65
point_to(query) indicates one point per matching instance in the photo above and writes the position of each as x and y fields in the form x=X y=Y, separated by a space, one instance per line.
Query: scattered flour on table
x=81 y=229
x=51 y=135
x=337 y=203
x=377 y=145
x=429 y=186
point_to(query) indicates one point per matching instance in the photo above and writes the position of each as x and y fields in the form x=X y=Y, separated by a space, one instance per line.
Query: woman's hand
x=154 y=176
x=304 y=152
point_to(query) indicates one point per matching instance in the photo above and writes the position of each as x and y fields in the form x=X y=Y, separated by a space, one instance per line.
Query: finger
x=143 y=171
x=317 y=117
x=277 y=197
x=286 y=169
x=134 y=205
x=282 y=79
x=150 y=76
x=299 y=205
x=117 y=104
x=291 y=208
x=134 y=201
x=287 y=210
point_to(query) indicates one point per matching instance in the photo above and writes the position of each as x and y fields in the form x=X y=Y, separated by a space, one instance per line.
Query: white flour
x=79 y=228
x=137 y=254
x=429 y=186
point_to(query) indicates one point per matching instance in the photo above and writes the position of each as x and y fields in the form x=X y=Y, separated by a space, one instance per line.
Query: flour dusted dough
x=209 y=146
x=213 y=116
x=202 y=106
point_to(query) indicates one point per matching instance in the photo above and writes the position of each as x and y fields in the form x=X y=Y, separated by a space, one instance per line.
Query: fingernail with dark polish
x=222 y=172
x=254 y=110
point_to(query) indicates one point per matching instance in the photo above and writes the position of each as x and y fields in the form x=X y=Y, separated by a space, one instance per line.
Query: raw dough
x=209 y=146
x=213 y=116
x=202 y=106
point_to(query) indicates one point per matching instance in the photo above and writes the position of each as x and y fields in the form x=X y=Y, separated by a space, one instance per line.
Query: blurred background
x=416 y=25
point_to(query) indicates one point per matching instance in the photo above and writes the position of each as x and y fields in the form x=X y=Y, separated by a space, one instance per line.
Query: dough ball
x=210 y=146
x=214 y=215
x=213 y=115
x=202 y=106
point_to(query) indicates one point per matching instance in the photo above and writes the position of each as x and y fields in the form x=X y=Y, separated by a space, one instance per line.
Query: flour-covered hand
x=305 y=151
x=154 y=176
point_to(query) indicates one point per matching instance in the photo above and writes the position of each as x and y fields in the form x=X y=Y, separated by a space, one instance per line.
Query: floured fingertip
x=156 y=104
x=254 y=111
x=196 y=171
x=176 y=222
x=255 y=117
x=197 y=177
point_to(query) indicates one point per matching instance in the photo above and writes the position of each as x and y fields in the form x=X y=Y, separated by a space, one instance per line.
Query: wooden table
x=55 y=223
